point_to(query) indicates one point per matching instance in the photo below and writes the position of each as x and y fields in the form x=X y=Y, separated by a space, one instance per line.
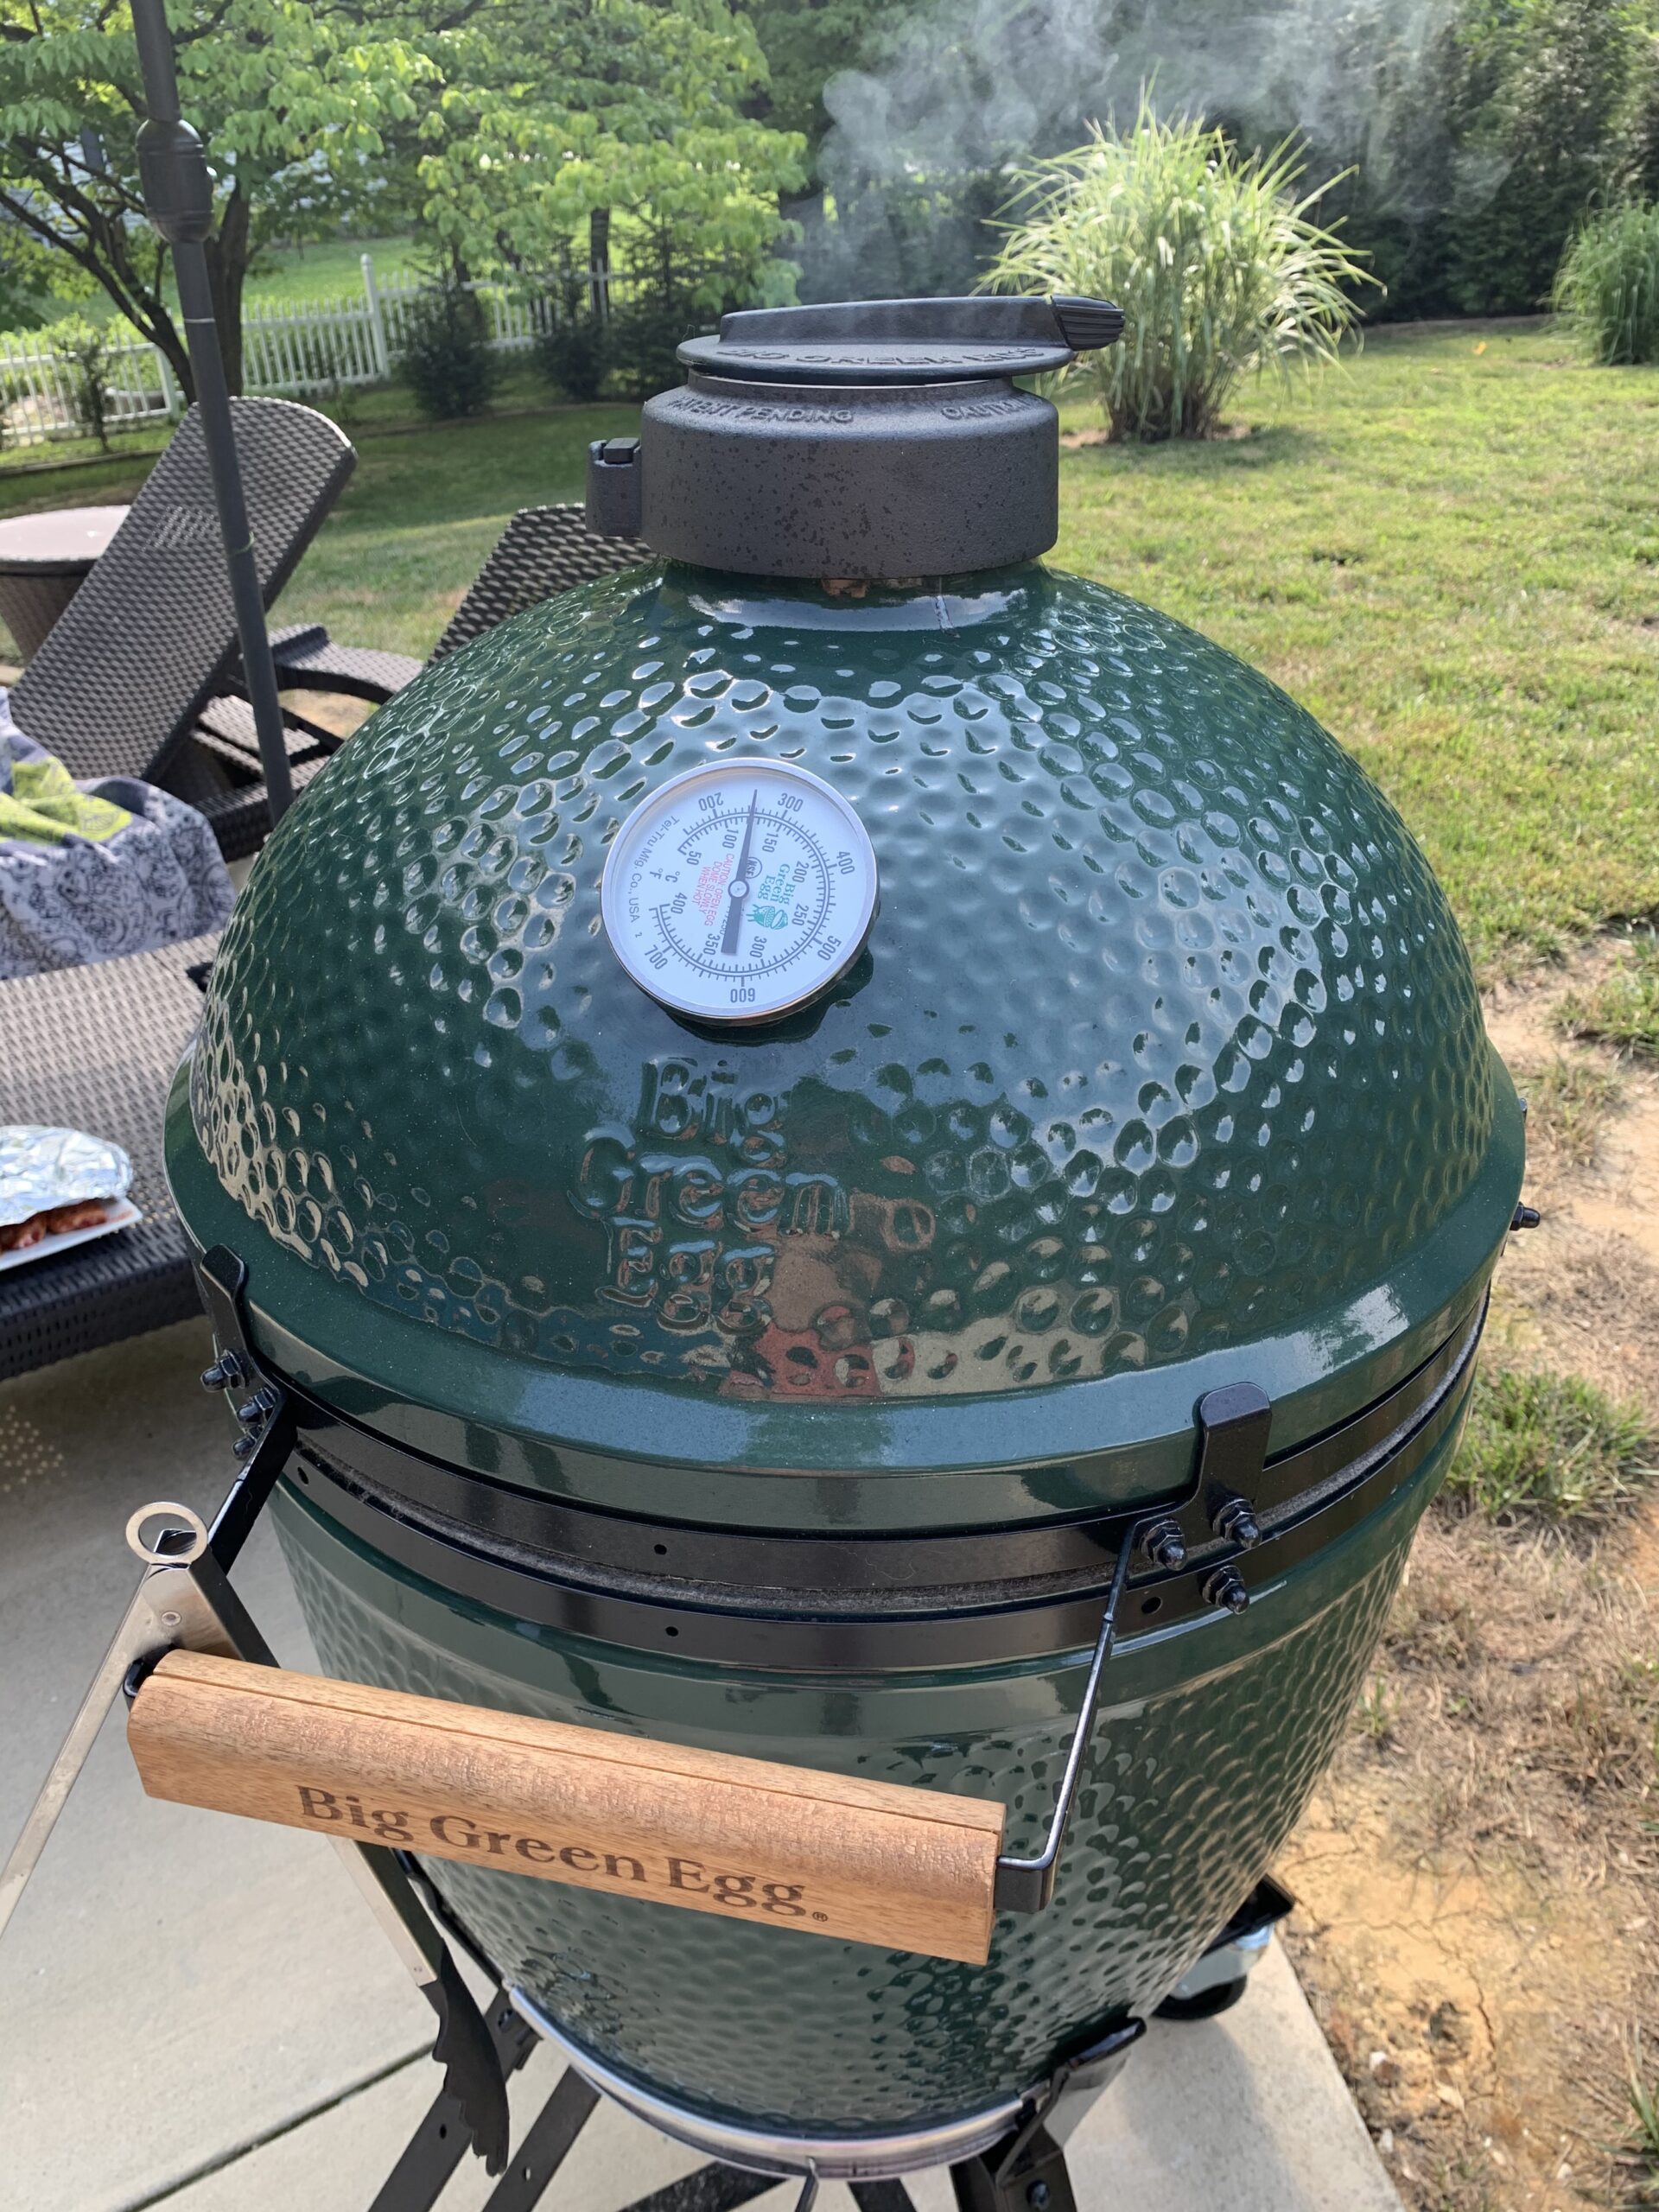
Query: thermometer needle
x=738 y=889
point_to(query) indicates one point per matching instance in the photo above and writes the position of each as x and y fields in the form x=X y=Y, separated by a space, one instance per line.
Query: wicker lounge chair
x=543 y=551
x=96 y=1047
x=137 y=658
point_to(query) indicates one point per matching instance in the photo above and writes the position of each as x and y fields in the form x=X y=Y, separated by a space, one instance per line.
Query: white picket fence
x=299 y=348
x=37 y=389
x=310 y=346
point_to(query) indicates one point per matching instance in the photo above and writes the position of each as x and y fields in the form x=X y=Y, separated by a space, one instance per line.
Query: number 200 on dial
x=737 y=891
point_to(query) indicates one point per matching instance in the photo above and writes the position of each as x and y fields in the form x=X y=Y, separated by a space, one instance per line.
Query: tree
x=31 y=273
x=86 y=350
x=806 y=42
x=1559 y=70
x=295 y=103
x=553 y=116
x=507 y=122
x=916 y=108
x=1638 y=126
x=1476 y=132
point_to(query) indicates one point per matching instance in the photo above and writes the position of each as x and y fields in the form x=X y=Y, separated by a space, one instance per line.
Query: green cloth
x=44 y=808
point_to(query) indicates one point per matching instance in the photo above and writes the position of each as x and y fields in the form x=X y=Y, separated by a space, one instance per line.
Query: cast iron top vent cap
x=904 y=341
x=872 y=440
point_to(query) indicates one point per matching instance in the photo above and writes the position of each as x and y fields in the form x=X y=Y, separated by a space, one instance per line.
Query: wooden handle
x=910 y=1870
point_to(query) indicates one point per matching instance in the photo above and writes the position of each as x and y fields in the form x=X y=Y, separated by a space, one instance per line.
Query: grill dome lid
x=904 y=341
x=1163 y=1067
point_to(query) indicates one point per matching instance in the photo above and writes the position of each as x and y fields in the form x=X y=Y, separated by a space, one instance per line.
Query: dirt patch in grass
x=1580 y=1293
x=332 y=710
x=1478 y=1877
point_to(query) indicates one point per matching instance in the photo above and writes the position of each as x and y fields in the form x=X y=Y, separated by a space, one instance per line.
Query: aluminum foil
x=42 y=1168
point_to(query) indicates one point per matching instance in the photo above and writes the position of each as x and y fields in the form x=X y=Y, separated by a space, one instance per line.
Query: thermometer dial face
x=737 y=891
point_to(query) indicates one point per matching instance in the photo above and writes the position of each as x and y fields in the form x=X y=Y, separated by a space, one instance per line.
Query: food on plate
x=56 y=1221
x=58 y=1183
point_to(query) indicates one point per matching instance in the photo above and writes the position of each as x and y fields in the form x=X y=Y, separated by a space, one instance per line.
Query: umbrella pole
x=178 y=199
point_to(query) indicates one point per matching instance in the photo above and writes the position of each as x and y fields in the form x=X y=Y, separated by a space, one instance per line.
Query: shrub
x=1215 y=263
x=574 y=356
x=1608 y=286
x=86 y=349
x=633 y=354
x=1548 y=1448
x=1540 y=144
x=447 y=361
x=643 y=341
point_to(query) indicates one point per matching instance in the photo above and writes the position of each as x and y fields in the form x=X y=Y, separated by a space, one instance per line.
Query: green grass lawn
x=1450 y=555
x=413 y=526
x=284 y=274
x=1452 y=558
x=324 y=271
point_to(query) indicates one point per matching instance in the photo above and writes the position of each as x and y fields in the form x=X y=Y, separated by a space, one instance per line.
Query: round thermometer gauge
x=736 y=892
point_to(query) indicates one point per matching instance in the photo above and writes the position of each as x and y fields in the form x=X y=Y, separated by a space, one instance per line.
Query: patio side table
x=43 y=559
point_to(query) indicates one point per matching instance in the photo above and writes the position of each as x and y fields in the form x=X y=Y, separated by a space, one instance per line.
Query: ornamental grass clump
x=1608 y=288
x=1209 y=252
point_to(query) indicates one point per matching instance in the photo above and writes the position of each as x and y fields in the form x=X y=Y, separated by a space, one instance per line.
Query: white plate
x=123 y=1215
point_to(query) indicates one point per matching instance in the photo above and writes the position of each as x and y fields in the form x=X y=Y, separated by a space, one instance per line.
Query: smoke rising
x=922 y=133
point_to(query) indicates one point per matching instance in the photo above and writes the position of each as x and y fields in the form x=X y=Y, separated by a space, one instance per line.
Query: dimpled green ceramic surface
x=1164 y=1064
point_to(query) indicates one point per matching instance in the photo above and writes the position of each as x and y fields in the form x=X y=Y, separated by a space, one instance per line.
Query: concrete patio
x=198 y=2012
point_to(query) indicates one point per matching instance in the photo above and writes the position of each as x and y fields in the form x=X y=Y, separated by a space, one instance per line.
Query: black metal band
x=849 y=1603
x=859 y=1571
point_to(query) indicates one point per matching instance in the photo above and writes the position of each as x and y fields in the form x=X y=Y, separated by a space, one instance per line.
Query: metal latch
x=1233 y=1424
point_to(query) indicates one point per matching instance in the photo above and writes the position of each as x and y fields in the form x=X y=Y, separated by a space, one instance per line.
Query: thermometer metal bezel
x=722 y=772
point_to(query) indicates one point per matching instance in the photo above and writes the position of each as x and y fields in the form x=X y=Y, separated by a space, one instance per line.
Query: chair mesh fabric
x=29 y=606
x=218 y=773
x=228 y=728
x=543 y=550
x=147 y=639
x=358 y=671
x=95 y=1048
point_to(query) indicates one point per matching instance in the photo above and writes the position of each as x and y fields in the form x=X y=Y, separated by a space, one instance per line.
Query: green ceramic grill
x=859 y=1152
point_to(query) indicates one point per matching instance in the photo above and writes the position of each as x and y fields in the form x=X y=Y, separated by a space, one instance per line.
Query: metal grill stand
x=1023 y=2170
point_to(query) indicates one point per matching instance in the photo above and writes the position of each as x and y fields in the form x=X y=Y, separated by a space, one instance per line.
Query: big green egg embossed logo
x=759 y=1272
